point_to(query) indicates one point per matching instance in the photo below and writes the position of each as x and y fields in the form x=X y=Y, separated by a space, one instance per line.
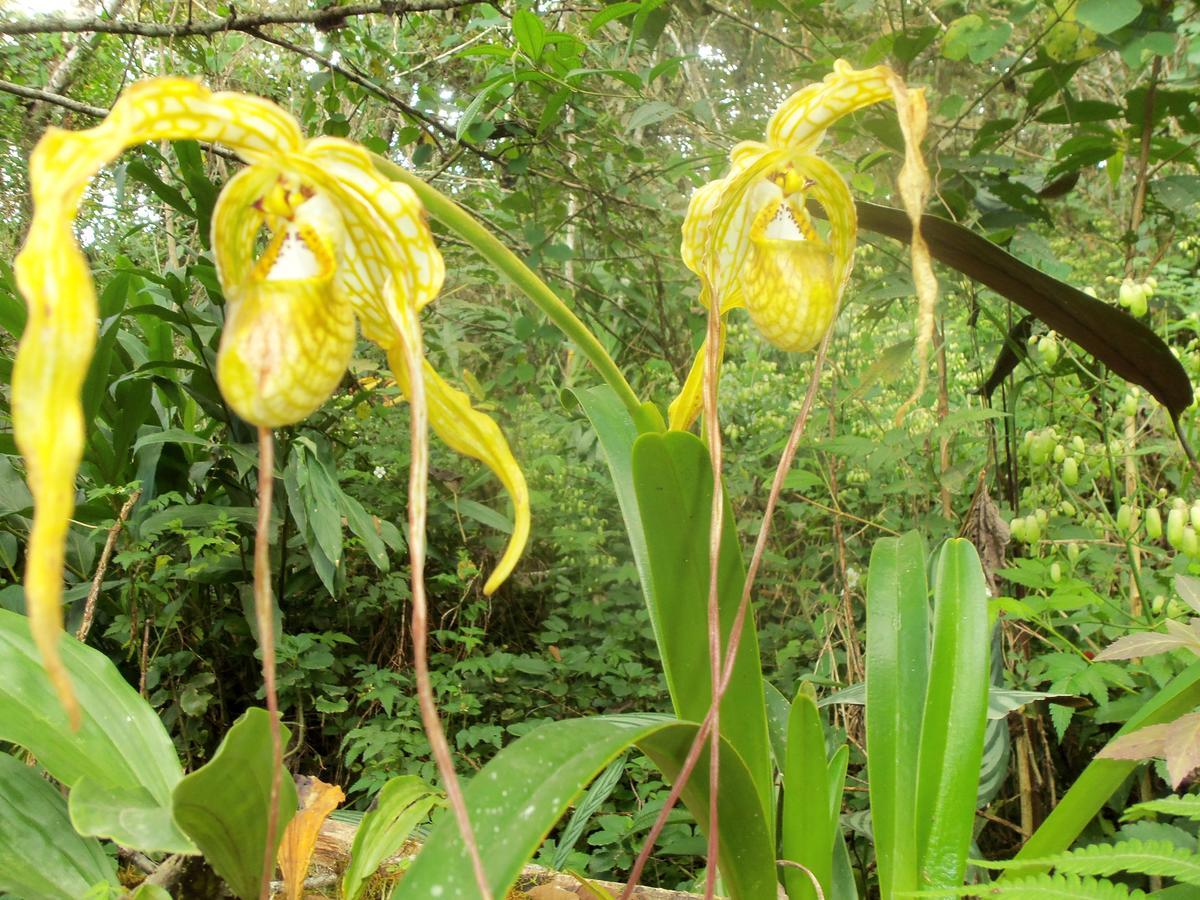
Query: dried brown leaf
x=317 y=801
x=1141 y=744
x=1182 y=747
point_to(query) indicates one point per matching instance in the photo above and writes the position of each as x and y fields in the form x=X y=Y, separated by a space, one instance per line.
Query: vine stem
x=265 y=619
x=735 y=633
x=490 y=248
x=418 y=480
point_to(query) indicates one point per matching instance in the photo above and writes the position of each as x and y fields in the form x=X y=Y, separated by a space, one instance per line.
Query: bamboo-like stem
x=418 y=481
x=264 y=616
x=490 y=248
x=735 y=633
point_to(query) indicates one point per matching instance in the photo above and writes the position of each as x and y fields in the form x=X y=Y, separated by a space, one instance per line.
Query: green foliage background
x=1066 y=132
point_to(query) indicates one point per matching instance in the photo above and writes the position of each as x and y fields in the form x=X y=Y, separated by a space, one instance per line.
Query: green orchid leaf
x=517 y=797
x=400 y=806
x=674 y=489
x=41 y=855
x=952 y=726
x=120 y=765
x=896 y=680
x=223 y=805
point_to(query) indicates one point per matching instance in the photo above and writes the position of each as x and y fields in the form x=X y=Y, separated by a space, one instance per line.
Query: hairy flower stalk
x=346 y=244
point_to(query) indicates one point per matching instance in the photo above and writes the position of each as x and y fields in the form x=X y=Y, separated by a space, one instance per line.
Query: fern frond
x=1143 y=857
x=1059 y=887
x=1158 y=857
x=1187 y=806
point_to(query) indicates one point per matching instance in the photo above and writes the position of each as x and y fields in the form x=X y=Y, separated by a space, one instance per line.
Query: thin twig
x=98 y=112
x=31 y=93
x=418 y=480
x=323 y=19
x=264 y=616
x=89 y=608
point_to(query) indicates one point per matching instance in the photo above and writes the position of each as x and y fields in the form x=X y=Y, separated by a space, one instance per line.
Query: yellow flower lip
x=349 y=246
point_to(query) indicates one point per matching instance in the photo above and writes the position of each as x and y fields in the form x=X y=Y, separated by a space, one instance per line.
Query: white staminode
x=295 y=261
x=783 y=226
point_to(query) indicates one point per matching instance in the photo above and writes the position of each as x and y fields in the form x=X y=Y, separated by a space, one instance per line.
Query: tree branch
x=325 y=19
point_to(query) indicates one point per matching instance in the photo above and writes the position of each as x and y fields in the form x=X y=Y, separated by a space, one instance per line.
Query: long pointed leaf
x=808 y=825
x=40 y=853
x=897 y=672
x=674 y=489
x=120 y=765
x=955 y=716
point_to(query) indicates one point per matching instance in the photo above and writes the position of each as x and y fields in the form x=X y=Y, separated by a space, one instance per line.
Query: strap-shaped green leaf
x=955 y=714
x=516 y=798
x=896 y=676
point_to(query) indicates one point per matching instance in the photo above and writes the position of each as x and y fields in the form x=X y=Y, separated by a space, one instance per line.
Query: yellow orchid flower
x=749 y=237
x=346 y=244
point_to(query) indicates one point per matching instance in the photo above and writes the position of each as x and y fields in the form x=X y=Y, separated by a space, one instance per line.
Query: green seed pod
x=1067 y=508
x=1041 y=515
x=1017 y=529
x=1073 y=552
x=1055 y=572
x=1078 y=445
x=1127 y=519
x=1157 y=604
x=1060 y=453
x=1194 y=515
x=1154 y=526
x=1033 y=529
x=1129 y=405
x=1048 y=351
x=1175 y=526
x=1190 y=544
x=1127 y=293
x=1070 y=472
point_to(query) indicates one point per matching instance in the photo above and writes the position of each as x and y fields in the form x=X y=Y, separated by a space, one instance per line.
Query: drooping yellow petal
x=466 y=430
x=317 y=801
x=687 y=405
x=53 y=276
x=801 y=120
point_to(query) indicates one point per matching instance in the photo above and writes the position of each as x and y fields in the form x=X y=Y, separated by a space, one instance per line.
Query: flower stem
x=265 y=619
x=418 y=481
x=474 y=233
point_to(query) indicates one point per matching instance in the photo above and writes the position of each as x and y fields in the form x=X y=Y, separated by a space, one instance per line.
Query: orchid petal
x=466 y=430
x=60 y=334
x=801 y=120
x=687 y=405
